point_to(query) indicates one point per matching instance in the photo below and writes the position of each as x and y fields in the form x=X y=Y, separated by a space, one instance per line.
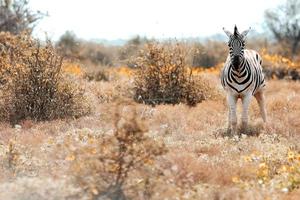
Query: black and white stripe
x=242 y=70
x=242 y=77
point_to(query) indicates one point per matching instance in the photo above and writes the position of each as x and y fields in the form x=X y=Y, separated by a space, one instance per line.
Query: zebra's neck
x=239 y=68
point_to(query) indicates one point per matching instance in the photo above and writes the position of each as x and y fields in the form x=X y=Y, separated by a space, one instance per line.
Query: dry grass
x=114 y=165
x=81 y=158
x=201 y=163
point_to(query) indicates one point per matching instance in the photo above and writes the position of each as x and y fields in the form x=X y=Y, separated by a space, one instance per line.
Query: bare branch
x=284 y=23
x=16 y=17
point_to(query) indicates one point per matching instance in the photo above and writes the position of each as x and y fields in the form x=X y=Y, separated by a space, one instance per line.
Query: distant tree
x=131 y=49
x=69 y=44
x=284 y=23
x=72 y=47
x=207 y=54
x=16 y=17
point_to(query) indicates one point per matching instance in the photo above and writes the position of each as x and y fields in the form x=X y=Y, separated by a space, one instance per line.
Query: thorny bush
x=32 y=83
x=163 y=77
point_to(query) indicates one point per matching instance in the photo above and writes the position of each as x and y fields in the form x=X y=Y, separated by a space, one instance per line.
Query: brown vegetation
x=162 y=76
x=33 y=85
x=78 y=159
x=128 y=150
x=105 y=165
x=16 y=16
x=90 y=53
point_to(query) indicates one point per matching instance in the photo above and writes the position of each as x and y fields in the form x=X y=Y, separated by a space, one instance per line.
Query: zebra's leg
x=260 y=97
x=246 y=101
x=232 y=123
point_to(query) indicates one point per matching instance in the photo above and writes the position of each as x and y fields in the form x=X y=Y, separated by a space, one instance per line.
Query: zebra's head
x=236 y=45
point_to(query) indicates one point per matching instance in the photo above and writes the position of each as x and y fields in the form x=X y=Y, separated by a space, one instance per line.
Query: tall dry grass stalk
x=109 y=165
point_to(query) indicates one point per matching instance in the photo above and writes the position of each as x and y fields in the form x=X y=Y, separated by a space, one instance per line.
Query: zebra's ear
x=228 y=33
x=244 y=33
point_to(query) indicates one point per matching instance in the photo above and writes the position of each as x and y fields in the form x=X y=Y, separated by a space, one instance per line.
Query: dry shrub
x=280 y=67
x=69 y=45
x=130 y=50
x=208 y=54
x=163 y=77
x=114 y=91
x=113 y=165
x=97 y=54
x=85 y=51
x=99 y=75
x=282 y=73
x=33 y=85
x=16 y=16
x=16 y=159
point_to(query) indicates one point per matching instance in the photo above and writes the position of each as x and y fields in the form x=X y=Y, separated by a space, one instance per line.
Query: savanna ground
x=85 y=128
x=200 y=161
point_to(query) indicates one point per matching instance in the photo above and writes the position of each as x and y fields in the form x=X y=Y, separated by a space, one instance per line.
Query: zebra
x=242 y=77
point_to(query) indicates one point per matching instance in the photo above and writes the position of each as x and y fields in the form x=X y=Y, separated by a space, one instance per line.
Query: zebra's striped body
x=249 y=77
x=242 y=77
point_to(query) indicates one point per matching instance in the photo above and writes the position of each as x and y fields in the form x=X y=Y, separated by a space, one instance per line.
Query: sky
x=124 y=19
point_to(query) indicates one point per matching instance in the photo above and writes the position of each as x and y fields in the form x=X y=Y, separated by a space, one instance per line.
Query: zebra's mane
x=236 y=32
